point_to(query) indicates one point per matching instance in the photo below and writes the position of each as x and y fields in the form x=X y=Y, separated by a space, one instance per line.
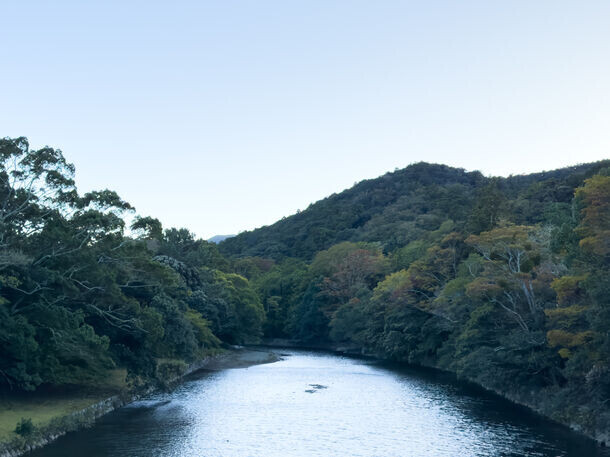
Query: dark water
x=316 y=404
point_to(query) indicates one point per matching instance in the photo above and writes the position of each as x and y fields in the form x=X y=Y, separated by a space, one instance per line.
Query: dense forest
x=81 y=297
x=504 y=281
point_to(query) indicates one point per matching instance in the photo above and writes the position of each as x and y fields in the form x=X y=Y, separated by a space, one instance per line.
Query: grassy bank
x=42 y=408
x=54 y=413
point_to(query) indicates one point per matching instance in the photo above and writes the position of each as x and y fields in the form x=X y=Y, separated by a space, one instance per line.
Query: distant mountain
x=218 y=238
x=400 y=206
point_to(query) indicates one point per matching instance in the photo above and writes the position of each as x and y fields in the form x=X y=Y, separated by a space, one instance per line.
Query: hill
x=503 y=281
x=218 y=238
x=397 y=207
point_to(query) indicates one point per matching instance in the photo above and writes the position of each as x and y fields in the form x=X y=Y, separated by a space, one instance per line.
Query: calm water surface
x=317 y=404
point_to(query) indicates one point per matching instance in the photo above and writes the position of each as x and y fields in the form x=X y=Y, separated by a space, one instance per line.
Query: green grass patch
x=42 y=407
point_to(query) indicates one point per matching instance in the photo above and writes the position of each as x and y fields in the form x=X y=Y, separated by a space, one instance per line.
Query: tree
x=594 y=227
x=490 y=205
x=346 y=271
x=517 y=271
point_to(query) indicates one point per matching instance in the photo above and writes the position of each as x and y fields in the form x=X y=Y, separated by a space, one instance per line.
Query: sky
x=224 y=116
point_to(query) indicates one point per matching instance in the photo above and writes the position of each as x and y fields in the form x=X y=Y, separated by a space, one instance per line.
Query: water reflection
x=315 y=404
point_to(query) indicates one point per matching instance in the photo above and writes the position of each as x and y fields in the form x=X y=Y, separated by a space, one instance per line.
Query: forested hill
x=504 y=281
x=400 y=206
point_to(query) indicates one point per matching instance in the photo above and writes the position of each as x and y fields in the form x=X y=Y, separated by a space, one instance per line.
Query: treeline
x=80 y=297
x=505 y=282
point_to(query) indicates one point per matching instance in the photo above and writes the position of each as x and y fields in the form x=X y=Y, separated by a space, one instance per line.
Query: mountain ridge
x=342 y=216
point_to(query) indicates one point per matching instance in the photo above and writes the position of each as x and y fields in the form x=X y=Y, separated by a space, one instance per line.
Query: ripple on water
x=315 y=404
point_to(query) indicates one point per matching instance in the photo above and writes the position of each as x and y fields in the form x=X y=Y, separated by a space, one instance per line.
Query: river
x=320 y=404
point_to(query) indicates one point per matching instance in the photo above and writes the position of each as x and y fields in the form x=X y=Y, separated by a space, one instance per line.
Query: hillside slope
x=398 y=206
x=503 y=281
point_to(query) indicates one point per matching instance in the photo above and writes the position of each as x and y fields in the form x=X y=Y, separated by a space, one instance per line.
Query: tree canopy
x=81 y=294
x=504 y=281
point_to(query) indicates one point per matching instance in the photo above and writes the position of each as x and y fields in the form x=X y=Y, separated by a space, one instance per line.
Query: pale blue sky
x=222 y=116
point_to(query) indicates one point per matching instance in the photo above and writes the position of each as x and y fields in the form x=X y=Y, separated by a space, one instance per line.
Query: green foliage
x=394 y=209
x=489 y=207
x=247 y=306
x=203 y=333
x=168 y=370
x=306 y=321
x=281 y=288
x=24 y=427
x=148 y=228
x=569 y=289
x=79 y=296
x=594 y=228
x=503 y=281
x=402 y=258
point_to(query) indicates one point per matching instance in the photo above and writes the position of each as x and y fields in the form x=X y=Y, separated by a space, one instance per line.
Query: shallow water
x=318 y=404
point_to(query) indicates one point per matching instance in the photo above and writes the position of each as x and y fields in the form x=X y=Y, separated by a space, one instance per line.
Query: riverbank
x=576 y=417
x=237 y=358
x=54 y=416
x=316 y=403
